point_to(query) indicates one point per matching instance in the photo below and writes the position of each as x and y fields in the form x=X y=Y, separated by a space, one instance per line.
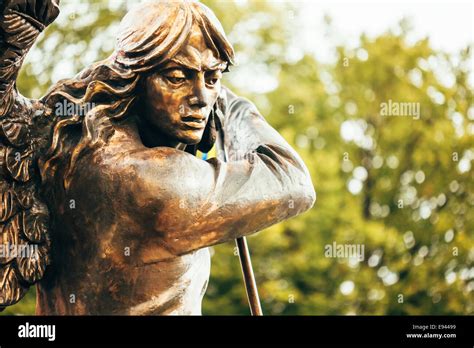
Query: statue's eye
x=175 y=80
x=175 y=76
x=213 y=77
x=212 y=81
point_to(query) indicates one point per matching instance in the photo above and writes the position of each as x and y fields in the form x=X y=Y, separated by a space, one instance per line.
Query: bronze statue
x=110 y=199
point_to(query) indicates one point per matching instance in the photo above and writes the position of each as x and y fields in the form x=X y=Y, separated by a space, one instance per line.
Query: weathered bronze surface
x=111 y=198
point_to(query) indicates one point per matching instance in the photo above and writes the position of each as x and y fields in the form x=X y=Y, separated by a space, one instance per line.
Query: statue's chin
x=190 y=139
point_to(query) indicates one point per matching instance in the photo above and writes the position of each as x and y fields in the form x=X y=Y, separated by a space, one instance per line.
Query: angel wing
x=24 y=240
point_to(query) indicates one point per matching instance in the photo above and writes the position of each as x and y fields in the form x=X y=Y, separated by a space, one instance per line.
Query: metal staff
x=249 y=278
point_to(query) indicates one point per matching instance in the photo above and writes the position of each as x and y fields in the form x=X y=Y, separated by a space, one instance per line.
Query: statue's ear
x=210 y=133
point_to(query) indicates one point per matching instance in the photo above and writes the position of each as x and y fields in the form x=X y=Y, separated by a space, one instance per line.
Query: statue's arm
x=21 y=21
x=198 y=203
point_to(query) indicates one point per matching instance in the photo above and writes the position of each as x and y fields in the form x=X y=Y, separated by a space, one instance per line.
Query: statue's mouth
x=194 y=122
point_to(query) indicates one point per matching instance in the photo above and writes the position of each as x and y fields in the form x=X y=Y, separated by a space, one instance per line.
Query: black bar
x=219 y=330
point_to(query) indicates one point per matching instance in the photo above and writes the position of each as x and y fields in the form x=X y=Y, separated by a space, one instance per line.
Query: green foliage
x=401 y=187
x=429 y=273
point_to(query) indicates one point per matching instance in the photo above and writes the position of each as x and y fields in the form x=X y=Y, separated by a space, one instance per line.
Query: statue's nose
x=199 y=93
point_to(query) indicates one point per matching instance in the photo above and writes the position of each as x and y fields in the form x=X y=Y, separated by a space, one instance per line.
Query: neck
x=148 y=136
x=152 y=137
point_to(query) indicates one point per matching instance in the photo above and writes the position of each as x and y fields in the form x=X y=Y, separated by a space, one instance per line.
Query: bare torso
x=120 y=269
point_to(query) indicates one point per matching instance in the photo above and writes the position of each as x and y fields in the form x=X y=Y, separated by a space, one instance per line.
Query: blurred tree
x=399 y=186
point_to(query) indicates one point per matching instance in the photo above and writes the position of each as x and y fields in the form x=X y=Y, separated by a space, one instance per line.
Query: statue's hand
x=21 y=21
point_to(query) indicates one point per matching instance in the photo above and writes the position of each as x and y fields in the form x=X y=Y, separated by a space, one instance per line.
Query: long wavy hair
x=149 y=36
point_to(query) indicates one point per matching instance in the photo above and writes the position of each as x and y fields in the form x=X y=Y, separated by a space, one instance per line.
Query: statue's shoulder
x=120 y=162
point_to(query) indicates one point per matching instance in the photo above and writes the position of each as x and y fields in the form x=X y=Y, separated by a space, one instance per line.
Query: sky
x=448 y=24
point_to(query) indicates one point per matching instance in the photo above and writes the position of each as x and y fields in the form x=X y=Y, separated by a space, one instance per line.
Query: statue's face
x=179 y=97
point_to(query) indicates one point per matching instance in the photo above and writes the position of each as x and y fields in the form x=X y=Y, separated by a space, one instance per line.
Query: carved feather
x=9 y=205
x=32 y=262
x=19 y=163
x=14 y=133
x=8 y=237
x=11 y=290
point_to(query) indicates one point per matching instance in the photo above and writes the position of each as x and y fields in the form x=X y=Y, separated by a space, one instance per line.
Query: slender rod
x=249 y=278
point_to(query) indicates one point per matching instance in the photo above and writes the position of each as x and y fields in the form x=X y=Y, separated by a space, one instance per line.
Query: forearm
x=216 y=202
